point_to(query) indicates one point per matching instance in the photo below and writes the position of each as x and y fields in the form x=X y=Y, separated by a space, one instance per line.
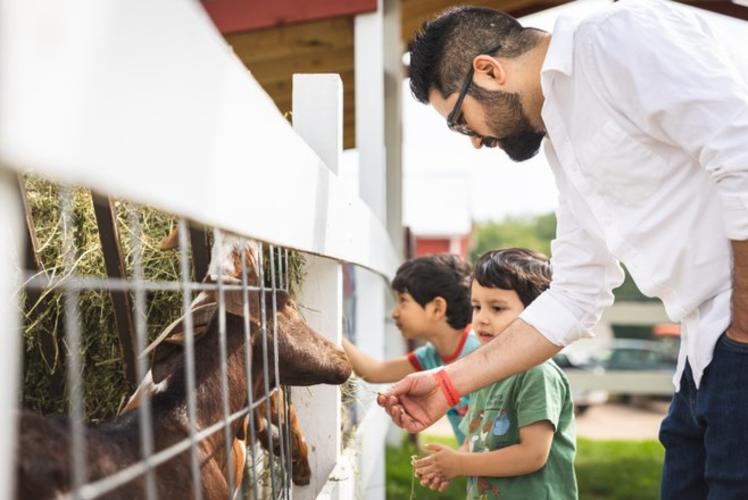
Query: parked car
x=583 y=399
x=634 y=354
x=634 y=368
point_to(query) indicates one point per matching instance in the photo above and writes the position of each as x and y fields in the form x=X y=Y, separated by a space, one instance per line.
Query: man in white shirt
x=645 y=122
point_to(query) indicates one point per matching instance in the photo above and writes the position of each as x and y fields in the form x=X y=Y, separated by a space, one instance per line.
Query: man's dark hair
x=526 y=272
x=444 y=275
x=442 y=52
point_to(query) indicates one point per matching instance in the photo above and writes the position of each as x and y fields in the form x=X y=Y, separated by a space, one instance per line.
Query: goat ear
x=201 y=316
x=282 y=299
x=165 y=362
x=167 y=348
x=171 y=241
x=174 y=332
x=234 y=300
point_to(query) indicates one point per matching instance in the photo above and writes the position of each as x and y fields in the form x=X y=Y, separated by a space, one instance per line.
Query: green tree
x=535 y=233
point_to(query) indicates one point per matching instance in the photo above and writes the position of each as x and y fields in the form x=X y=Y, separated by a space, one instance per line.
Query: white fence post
x=394 y=75
x=370 y=336
x=318 y=407
x=370 y=141
x=10 y=346
x=318 y=118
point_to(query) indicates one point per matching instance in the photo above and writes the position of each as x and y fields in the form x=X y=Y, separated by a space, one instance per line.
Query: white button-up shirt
x=647 y=125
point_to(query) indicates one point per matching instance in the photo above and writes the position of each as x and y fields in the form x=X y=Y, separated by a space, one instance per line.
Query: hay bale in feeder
x=104 y=383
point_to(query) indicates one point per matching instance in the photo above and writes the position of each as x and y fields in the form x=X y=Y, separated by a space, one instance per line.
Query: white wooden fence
x=144 y=101
x=632 y=382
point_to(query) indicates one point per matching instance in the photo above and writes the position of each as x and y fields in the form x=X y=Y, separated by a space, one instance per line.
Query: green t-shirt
x=495 y=415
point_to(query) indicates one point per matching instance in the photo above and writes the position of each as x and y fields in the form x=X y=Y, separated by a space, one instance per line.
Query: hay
x=104 y=383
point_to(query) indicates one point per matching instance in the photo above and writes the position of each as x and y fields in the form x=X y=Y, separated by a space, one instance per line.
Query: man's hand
x=738 y=330
x=737 y=335
x=415 y=402
x=441 y=466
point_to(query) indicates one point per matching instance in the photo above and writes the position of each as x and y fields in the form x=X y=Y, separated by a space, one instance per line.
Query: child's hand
x=443 y=464
x=435 y=483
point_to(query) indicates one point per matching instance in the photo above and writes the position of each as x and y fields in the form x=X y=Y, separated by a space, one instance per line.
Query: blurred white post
x=10 y=333
x=318 y=119
x=318 y=115
x=369 y=77
x=394 y=74
x=371 y=289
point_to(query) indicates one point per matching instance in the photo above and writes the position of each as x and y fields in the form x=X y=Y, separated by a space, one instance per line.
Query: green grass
x=399 y=473
x=619 y=470
x=606 y=470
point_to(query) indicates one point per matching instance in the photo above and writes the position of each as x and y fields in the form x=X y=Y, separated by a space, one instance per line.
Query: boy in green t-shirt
x=519 y=432
x=432 y=304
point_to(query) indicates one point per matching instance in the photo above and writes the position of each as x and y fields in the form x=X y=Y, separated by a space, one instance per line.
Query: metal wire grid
x=72 y=284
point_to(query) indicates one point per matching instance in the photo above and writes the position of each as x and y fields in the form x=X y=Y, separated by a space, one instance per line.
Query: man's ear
x=489 y=72
x=438 y=307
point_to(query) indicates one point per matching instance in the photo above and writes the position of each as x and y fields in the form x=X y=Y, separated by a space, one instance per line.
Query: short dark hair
x=526 y=272
x=443 y=275
x=442 y=52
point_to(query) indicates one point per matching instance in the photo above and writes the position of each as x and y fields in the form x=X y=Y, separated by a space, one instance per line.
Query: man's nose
x=476 y=140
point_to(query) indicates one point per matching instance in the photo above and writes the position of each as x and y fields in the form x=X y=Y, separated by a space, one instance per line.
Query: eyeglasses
x=453 y=121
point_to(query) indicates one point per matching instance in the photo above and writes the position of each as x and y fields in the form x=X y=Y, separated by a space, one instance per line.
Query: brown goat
x=226 y=261
x=43 y=464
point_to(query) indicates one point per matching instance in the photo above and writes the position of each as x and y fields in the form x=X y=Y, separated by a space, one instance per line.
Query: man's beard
x=504 y=112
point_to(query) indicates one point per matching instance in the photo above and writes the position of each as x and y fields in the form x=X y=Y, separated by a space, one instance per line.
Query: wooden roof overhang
x=279 y=38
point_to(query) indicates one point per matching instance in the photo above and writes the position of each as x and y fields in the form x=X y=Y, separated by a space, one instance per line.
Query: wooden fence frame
x=330 y=224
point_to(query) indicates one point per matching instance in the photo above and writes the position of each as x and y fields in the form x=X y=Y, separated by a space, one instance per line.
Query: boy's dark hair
x=526 y=272
x=444 y=275
x=442 y=52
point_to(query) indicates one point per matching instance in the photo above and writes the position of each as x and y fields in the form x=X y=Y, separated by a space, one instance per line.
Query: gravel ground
x=635 y=421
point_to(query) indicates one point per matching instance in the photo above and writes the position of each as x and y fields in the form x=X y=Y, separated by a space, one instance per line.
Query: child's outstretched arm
x=526 y=457
x=376 y=371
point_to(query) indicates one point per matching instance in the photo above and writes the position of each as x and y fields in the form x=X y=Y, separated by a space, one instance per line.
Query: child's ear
x=438 y=308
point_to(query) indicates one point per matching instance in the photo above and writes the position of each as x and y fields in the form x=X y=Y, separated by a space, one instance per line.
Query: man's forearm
x=517 y=349
x=739 y=325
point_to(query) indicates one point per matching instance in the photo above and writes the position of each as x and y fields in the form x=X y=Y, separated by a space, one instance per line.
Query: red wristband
x=453 y=397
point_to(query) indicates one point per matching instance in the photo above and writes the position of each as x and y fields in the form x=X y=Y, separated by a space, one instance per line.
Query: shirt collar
x=560 y=55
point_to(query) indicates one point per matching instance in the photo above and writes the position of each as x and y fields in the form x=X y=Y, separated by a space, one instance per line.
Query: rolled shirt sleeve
x=584 y=275
x=662 y=69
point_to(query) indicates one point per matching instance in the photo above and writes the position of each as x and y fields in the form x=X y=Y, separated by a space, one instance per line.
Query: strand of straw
x=413 y=476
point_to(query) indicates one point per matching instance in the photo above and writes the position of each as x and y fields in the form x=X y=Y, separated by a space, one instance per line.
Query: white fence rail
x=144 y=101
x=631 y=382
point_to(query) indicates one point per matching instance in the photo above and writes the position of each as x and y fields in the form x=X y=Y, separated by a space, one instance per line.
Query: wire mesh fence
x=210 y=417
